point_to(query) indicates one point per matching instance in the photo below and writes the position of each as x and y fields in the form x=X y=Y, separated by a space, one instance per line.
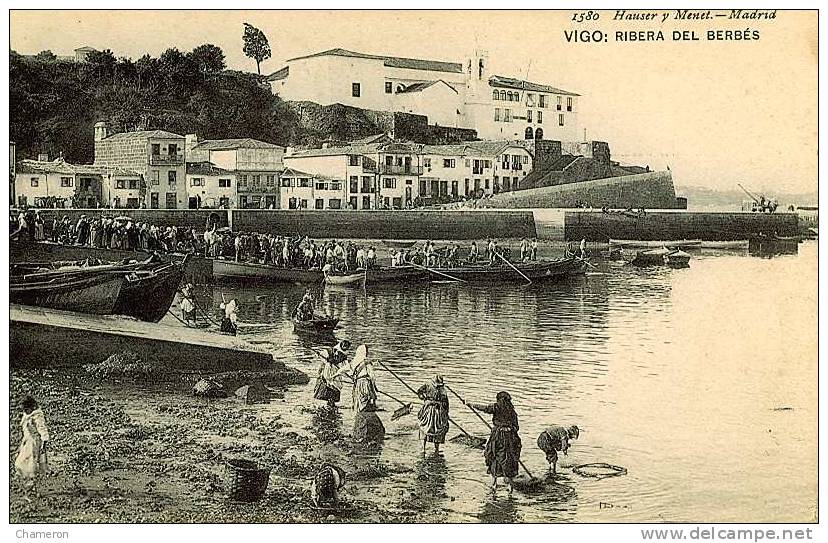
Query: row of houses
x=161 y=170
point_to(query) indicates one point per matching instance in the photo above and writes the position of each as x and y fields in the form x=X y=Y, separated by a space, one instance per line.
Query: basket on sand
x=246 y=481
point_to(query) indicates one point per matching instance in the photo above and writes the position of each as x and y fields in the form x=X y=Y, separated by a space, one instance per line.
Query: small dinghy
x=677 y=259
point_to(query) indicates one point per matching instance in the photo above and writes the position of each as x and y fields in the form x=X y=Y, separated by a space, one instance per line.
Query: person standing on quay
x=434 y=414
x=31 y=462
x=502 y=452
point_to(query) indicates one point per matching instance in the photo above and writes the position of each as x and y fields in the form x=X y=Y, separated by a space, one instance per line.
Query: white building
x=301 y=190
x=44 y=183
x=256 y=165
x=498 y=107
x=210 y=186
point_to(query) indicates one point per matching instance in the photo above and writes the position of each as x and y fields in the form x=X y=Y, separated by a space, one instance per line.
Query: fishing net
x=473 y=442
x=599 y=470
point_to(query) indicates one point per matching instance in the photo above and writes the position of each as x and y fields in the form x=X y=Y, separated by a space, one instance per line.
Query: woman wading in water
x=503 y=447
x=433 y=415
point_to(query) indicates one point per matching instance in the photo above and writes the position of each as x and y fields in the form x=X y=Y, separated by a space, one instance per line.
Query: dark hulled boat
x=229 y=271
x=318 y=324
x=540 y=270
x=144 y=290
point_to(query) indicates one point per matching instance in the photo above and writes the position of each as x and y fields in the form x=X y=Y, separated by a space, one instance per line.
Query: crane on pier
x=761 y=204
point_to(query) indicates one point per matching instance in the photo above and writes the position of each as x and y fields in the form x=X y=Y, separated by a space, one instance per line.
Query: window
x=454 y=189
x=171 y=178
x=398 y=161
x=540 y=117
x=133 y=183
x=156 y=149
x=286 y=181
x=35 y=181
x=120 y=184
x=427 y=163
x=353 y=160
x=569 y=103
x=154 y=177
x=487 y=163
x=468 y=162
x=505 y=163
x=542 y=100
x=507 y=115
x=334 y=203
x=366 y=202
x=497 y=114
x=271 y=180
x=527 y=134
x=526 y=159
x=354 y=184
x=355 y=90
x=467 y=188
x=255 y=180
x=559 y=102
x=197 y=182
x=389 y=183
x=561 y=119
x=172 y=149
x=486 y=184
x=530 y=100
x=224 y=183
x=319 y=203
x=65 y=181
x=448 y=163
x=242 y=180
x=528 y=115
x=388 y=87
x=172 y=202
x=495 y=95
x=503 y=95
x=304 y=182
x=336 y=185
x=509 y=96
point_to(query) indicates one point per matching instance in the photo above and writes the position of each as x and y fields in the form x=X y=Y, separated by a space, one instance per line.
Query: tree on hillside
x=209 y=58
x=256 y=45
x=46 y=56
x=101 y=64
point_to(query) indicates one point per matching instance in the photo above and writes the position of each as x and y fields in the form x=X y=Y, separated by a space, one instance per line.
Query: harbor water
x=701 y=382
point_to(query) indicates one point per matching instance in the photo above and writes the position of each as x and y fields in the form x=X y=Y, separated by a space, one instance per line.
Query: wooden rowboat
x=349 y=280
x=97 y=293
x=319 y=324
x=677 y=259
x=541 y=270
x=247 y=272
x=652 y=257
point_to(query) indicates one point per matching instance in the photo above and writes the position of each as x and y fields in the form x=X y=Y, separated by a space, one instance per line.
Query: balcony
x=400 y=170
x=167 y=160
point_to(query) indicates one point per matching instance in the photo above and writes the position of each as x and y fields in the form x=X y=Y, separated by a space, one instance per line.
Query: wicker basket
x=246 y=481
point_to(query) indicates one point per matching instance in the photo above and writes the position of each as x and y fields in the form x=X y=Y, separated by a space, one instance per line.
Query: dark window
x=528 y=134
x=156 y=149
x=172 y=202
x=569 y=103
x=354 y=160
x=334 y=203
x=388 y=87
x=529 y=116
x=319 y=203
x=355 y=90
x=560 y=120
x=133 y=183
x=171 y=178
x=540 y=117
x=35 y=181
x=224 y=183
x=172 y=149
x=539 y=133
x=495 y=95
x=366 y=202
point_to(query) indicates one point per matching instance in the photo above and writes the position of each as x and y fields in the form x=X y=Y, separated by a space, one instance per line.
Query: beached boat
x=248 y=272
x=144 y=289
x=96 y=293
x=643 y=244
x=677 y=259
x=396 y=274
x=319 y=324
x=349 y=280
x=539 y=270
x=773 y=245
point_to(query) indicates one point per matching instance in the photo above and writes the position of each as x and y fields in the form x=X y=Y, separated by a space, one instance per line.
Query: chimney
x=101 y=130
x=546 y=153
x=289 y=151
x=43 y=157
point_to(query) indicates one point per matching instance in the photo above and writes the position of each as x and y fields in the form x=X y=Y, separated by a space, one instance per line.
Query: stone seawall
x=653 y=190
x=672 y=225
x=433 y=224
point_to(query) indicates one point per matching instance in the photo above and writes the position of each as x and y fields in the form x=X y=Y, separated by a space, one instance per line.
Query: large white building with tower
x=450 y=94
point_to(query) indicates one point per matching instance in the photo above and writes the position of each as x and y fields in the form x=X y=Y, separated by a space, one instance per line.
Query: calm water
x=677 y=375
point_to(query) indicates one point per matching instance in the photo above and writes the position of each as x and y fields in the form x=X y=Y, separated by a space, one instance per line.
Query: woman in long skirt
x=31 y=462
x=329 y=382
x=367 y=425
x=433 y=415
x=503 y=447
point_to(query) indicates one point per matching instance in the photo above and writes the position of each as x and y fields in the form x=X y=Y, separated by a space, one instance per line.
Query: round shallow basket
x=246 y=481
x=599 y=470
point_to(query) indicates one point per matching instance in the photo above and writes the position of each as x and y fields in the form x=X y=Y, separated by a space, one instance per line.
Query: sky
x=716 y=112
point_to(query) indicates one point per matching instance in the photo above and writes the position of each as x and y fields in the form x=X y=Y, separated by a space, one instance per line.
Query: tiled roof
x=376 y=138
x=394 y=62
x=280 y=74
x=471 y=148
x=419 y=87
x=290 y=172
x=145 y=134
x=359 y=149
x=85 y=48
x=512 y=83
x=61 y=166
x=206 y=168
x=238 y=143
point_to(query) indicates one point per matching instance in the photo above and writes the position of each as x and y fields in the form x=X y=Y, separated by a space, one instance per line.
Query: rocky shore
x=121 y=452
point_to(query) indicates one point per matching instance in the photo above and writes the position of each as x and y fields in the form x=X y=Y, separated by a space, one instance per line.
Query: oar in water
x=489 y=426
x=503 y=258
x=473 y=441
x=400 y=412
x=437 y=272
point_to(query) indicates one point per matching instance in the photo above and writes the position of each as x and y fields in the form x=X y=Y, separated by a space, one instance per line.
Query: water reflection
x=643 y=360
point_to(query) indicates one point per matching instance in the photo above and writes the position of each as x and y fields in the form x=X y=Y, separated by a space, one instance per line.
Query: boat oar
x=489 y=426
x=437 y=272
x=503 y=258
x=472 y=439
